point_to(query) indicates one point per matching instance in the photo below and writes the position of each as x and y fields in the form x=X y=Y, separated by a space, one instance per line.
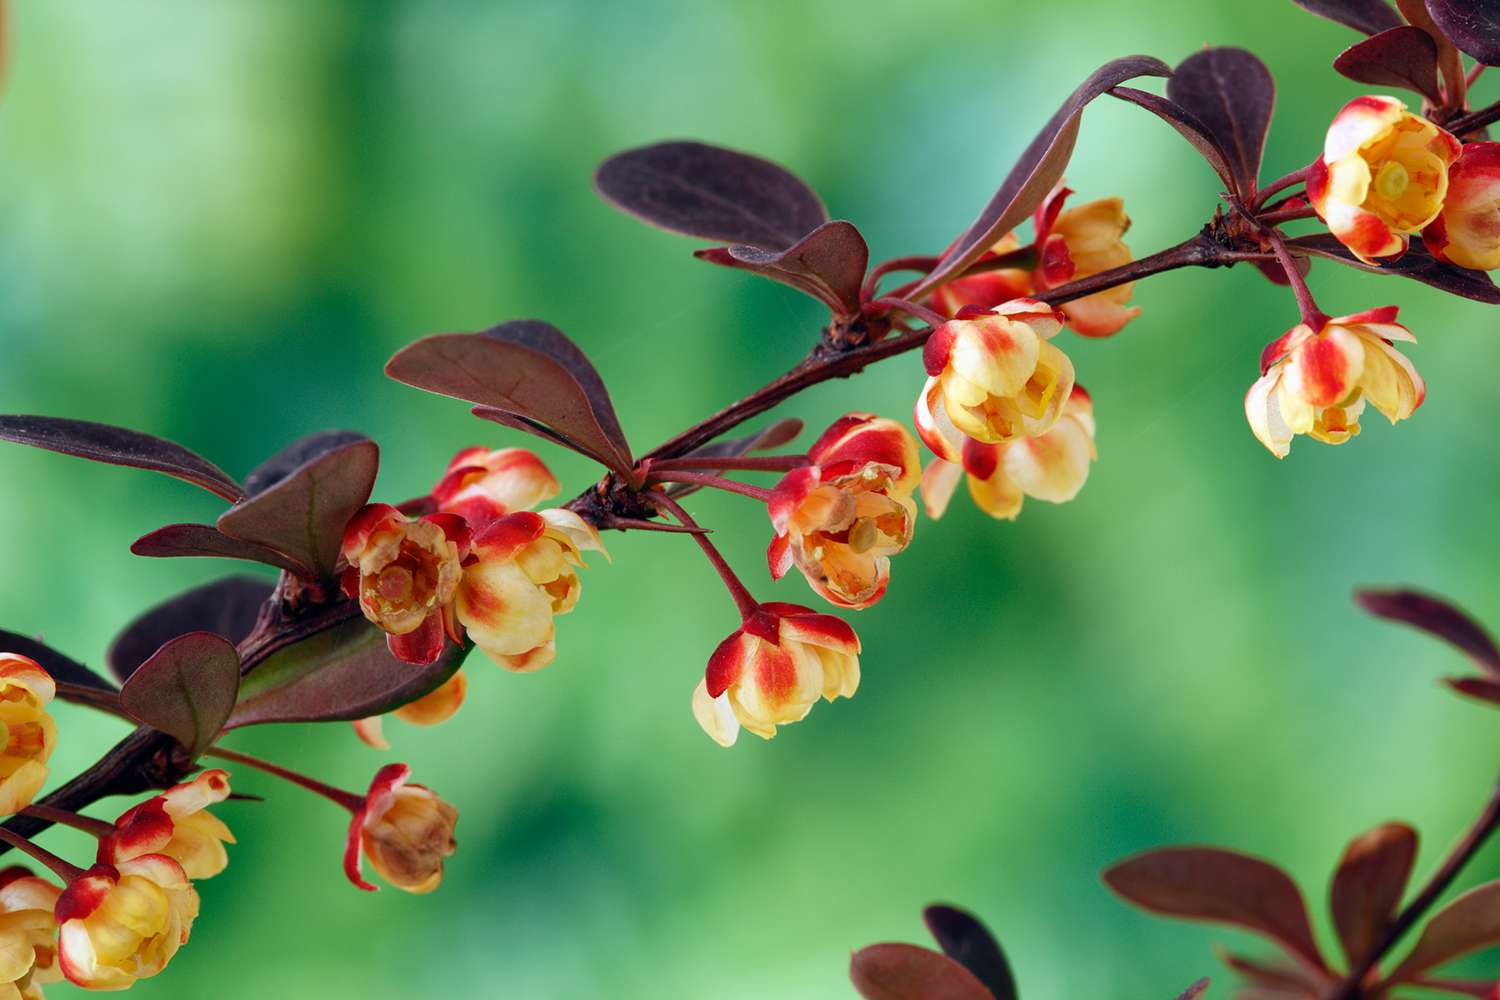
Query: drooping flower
x=404 y=573
x=1079 y=243
x=28 y=937
x=1317 y=382
x=773 y=669
x=177 y=824
x=1383 y=176
x=482 y=485
x=434 y=707
x=987 y=289
x=993 y=378
x=522 y=572
x=405 y=830
x=1052 y=466
x=29 y=733
x=840 y=519
x=120 y=923
x=1467 y=231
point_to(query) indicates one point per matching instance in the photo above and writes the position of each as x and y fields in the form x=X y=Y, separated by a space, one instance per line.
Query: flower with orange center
x=840 y=519
x=28 y=733
x=404 y=573
x=1079 y=243
x=1052 y=466
x=176 y=823
x=482 y=485
x=1383 y=176
x=1467 y=231
x=28 y=937
x=120 y=923
x=772 y=671
x=987 y=289
x=993 y=378
x=436 y=706
x=1317 y=382
x=405 y=830
x=521 y=573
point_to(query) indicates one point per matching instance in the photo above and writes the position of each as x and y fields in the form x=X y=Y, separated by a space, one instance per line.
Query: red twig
x=743 y=600
x=712 y=482
x=348 y=800
x=744 y=463
x=88 y=824
x=65 y=870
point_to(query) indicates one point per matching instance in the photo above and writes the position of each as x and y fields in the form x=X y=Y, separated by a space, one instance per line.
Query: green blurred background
x=217 y=221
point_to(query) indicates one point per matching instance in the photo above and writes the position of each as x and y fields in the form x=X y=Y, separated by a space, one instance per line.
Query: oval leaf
x=1369 y=16
x=229 y=607
x=1037 y=171
x=1194 y=991
x=304 y=515
x=1478 y=688
x=295 y=455
x=342 y=673
x=1437 y=617
x=1416 y=264
x=1470 y=922
x=1231 y=92
x=1473 y=25
x=118 y=446
x=1401 y=57
x=968 y=942
x=1208 y=883
x=177 y=540
x=186 y=689
x=906 y=972
x=1368 y=885
x=828 y=264
x=62 y=668
x=712 y=193
x=1187 y=125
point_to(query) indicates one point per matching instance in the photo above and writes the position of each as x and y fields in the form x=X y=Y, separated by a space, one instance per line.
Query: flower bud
x=120 y=923
x=482 y=485
x=436 y=706
x=1080 y=243
x=405 y=830
x=1467 y=231
x=28 y=937
x=176 y=823
x=28 y=733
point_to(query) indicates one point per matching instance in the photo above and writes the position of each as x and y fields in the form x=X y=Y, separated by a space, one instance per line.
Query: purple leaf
x=205 y=540
x=1437 y=617
x=62 y=668
x=1037 y=172
x=1278 y=978
x=906 y=972
x=1187 y=125
x=505 y=418
x=186 y=689
x=828 y=264
x=1208 y=883
x=295 y=455
x=1401 y=57
x=1416 y=264
x=968 y=942
x=1369 y=16
x=1194 y=991
x=712 y=193
x=1231 y=92
x=305 y=513
x=526 y=368
x=1469 y=923
x=1478 y=688
x=1368 y=885
x=1473 y=25
x=345 y=672
x=229 y=607
x=118 y=446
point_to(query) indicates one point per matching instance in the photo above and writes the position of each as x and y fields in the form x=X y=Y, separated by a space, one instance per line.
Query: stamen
x=1392 y=180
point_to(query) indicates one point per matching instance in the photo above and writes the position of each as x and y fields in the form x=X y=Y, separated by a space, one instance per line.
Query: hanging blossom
x=121 y=923
x=405 y=830
x=29 y=732
x=177 y=824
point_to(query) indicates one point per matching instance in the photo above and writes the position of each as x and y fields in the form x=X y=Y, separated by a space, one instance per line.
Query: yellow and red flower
x=1467 y=231
x=29 y=733
x=177 y=824
x=1052 y=466
x=28 y=937
x=436 y=706
x=404 y=573
x=1079 y=243
x=482 y=485
x=405 y=830
x=773 y=669
x=993 y=378
x=1317 y=382
x=840 y=519
x=120 y=923
x=1383 y=176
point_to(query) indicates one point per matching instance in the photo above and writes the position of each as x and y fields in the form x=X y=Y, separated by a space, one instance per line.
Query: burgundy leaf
x=118 y=446
x=505 y=418
x=1369 y=16
x=304 y=515
x=186 y=689
x=1482 y=988
x=1278 y=978
x=1473 y=25
x=1188 y=125
x=1437 y=617
x=968 y=942
x=1480 y=688
x=1208 y=883
x=1416 y=264
x=526 y=368
x=1231 y=92
x=1469 y=923
x=343 y=673
x=62 y=668
x=906 y=972
x=205 y=540
x=1401 y=57
x=295 y=455
x=712 y=193
x=1276 y=274
x=1194 y=991
x=229 y=607
x=1368 y=885
x=1037 y=172
x=828 y=264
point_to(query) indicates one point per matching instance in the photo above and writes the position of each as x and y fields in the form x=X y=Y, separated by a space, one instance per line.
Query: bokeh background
x=217 y=221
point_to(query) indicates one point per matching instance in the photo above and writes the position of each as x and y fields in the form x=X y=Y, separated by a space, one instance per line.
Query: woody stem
x=930 y=316
x=746 y=604
x=51 y=814
x=350 y=801
x=64 y=870
x=1311 y=314
x=711 y=481
x=872 y=280
x=1265 y=194
x=767 y=463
